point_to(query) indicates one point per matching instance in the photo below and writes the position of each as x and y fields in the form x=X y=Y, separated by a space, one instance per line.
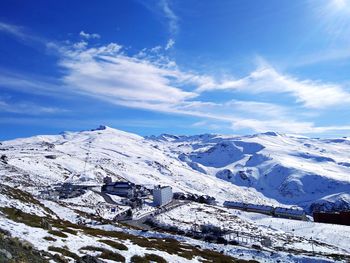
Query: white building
x=162 y=195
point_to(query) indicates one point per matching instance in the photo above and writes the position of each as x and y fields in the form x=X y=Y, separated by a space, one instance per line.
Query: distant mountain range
x=267 y=168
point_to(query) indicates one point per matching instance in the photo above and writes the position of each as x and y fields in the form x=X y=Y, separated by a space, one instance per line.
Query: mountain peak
x=101 y=128
x=271 y=133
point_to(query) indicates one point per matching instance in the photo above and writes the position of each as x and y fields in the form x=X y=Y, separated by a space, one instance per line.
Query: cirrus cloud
x=149 y=80
x=107 y=72
x=309 y=93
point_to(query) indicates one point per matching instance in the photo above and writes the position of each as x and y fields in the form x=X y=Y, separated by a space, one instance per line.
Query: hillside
x=265 y=168
x=272 y=169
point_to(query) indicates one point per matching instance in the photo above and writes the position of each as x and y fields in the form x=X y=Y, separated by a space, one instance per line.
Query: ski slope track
x=268 y=168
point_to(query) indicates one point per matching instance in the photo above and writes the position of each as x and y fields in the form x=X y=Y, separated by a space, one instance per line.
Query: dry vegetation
x=61 y=227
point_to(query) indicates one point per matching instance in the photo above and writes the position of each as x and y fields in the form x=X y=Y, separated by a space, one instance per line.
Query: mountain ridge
x=266 y=168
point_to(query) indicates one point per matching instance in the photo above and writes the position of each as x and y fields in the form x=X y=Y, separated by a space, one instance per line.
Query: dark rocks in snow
x=346 y=164
x=45 y=224
x=329 y=206
x=89 y=259
x=50 y=157
x=164 y=137
x=5 y=232
x=292 y=187
x=242 y=177
x=4 y=158
x=225 y=174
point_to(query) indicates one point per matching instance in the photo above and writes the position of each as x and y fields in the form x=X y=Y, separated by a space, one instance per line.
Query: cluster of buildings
x=133 y=193
x=63 y=191
x=290 y=213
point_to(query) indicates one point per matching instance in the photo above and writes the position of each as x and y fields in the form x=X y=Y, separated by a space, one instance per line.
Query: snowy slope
x=283 y=232
x=289 y=169
x=268 y=168
x=265 y=168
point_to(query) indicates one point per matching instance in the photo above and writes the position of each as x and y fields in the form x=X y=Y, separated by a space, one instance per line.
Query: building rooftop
x=161 y=187
x=123 y=184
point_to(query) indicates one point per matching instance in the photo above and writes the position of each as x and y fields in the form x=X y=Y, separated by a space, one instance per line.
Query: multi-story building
x=162 y=195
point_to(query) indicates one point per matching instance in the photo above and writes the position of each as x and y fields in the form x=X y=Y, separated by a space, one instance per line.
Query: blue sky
x=171 y=66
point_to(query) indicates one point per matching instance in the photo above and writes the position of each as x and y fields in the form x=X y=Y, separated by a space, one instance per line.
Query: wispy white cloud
x=151 y=81
x=209 y=125
x=107 y=72
x=13 y=30
x=80 y=45
x=21 y=33
x=309 y=93
x=28 y=108
x=31 y=84
x=327 y=55
x=253 y=122
x=171 y=16
x=257 y=108
x=88 y=35
x=170 y=44
x=280 y=125
x=257 y=122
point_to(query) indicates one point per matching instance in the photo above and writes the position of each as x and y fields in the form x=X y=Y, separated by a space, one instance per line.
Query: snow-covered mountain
x=268 y=168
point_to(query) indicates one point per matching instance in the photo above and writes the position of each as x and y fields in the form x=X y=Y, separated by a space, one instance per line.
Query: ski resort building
x=340 y=218
x=63 y=191
x=123 y=189
x=264 y=209
x=236 y=205
x=290 y=213
x=162 y=195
